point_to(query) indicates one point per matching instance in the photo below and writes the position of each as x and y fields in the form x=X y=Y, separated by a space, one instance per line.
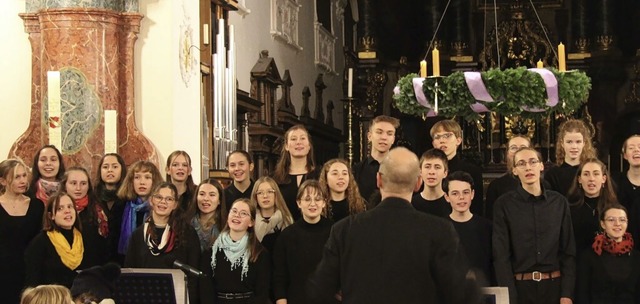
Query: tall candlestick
x=350 y=84
x=562 y=66
x=54 y=109
x=423 y=69
x=435 y=55
x=540 y=65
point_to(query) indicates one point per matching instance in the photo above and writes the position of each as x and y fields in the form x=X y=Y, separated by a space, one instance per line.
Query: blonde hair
x=8 y=172
x=279 y=204
x=578 y=126
x=46 y=294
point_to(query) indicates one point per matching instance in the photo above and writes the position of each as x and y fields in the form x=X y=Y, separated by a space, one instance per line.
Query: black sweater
x=297 y=253
x=224 y=279
x=44 y=265
x=439 y=207
x=561 y=178
x=608 y=279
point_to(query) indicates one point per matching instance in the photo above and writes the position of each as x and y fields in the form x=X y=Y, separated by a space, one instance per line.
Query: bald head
x=399 y=171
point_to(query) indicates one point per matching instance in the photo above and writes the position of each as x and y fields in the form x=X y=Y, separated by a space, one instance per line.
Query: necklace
x=593 y=211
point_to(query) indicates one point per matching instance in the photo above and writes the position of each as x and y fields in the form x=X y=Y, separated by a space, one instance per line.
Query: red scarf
x=44 y=189
x=81 y=203
x=602 y=242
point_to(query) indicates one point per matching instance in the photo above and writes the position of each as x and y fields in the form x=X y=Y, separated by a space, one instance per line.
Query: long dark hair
x=36 y=175
x=100 y=184
x=255 y=248
x=356 y=202
x=48 y=223
x=176 y=218
x=607 y=194
x=93 y=201
x=281 y=174
x=220 y=213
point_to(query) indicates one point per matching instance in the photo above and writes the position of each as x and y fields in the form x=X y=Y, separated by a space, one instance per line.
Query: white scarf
x=266 y=226
x=237 y=253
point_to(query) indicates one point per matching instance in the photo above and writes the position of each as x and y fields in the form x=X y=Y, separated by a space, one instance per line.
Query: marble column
x=92 y=45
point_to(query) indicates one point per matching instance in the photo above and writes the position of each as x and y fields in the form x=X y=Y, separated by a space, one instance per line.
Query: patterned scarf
x=46 y=189
x=129 y=220
x=81 y=203
x=266 y=226
x=237 y=253
x=205 y=235
x=603 y=242
x=166 y=241
x=103 y=222
x=71 y=256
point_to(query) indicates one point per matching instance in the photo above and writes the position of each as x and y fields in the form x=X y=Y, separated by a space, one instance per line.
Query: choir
x=561 y=236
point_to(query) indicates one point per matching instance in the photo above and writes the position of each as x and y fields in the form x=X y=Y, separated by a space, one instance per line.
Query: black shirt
x=475 y=238
x=439 y=207
x=365 y=175
x=608 y=278
x=297 y=253
x=458 y=164
x=339 y=209
x=561 y=178
x=533 y=234
x=231 y=194
x=585 y=223
x=501 y=185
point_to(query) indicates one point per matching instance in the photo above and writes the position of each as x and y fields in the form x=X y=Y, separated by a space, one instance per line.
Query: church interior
x=150 y=74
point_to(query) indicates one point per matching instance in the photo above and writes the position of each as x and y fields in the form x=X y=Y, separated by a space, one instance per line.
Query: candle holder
x=436 y=89
x=348 y=107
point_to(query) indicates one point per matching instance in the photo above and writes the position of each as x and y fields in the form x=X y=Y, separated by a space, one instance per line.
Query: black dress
x=339 y=209
x=561 y=178
x=231 y=194
x=96 y=247
x=290 y=190
x=224 y=280
x=585 y=224
x=608 y=278
x=15 y=234
x=44 y=265
x=297 y=253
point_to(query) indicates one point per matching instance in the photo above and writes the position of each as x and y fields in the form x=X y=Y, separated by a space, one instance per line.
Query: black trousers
x=542 y=292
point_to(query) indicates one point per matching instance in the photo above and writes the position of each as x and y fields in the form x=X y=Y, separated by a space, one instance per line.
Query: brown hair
x=35 y=171
x=46 y=294
x=612 y=206
x=435 y=154
x=607 y=194
x=48 y=223
x=93 y=201
x=243 y=152
x=191 y=186
x=8 y=172
x=624 y=145
x=126 y=191
x=281 y=174
x=446 y=125
x=280 y=204
x=176 y=221
x=579 y=126
x=255 y=248
x=220 y=213
x=356 y=202
x=384 y=118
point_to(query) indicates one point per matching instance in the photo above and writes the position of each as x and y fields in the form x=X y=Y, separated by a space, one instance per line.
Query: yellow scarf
x=70 y=256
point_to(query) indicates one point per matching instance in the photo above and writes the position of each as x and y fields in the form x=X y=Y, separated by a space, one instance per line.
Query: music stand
x=145 y=285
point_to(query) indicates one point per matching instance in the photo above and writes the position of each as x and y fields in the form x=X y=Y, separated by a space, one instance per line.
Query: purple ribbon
x=551 y=84
x=396 y=90
x=476 y=86
x=417 y=87
x=479 y=108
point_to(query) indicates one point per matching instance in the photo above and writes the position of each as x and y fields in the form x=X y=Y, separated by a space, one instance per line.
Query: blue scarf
x=205 y=235
x=129 y=219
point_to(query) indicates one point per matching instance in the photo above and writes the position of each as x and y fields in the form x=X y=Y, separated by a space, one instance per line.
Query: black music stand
x=144 y=285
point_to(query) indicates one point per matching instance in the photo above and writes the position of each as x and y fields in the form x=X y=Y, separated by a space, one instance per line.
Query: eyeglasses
x=444 y=136
x=160 y=198
x=309 y=200
x=613 y=220
x=241 y=214
x=268 y=192
x=457 y=194
x=532 y=162
x=515 y=148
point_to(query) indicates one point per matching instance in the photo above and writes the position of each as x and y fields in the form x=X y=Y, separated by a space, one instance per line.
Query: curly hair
x=575 y=126
x=356 y=202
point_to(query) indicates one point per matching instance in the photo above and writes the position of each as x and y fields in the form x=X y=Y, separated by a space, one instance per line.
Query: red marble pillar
x=94 y=50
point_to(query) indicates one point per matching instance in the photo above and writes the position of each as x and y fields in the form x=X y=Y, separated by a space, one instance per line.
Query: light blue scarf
x=237 y=253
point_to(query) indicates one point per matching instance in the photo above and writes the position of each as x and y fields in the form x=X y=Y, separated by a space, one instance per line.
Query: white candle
x=350 y=84
x=205 y=34
x=53 y=107
x=110 y=131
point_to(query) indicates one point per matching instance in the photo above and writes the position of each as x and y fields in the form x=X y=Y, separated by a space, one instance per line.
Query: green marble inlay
x=132 y=6
x=81 y=109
